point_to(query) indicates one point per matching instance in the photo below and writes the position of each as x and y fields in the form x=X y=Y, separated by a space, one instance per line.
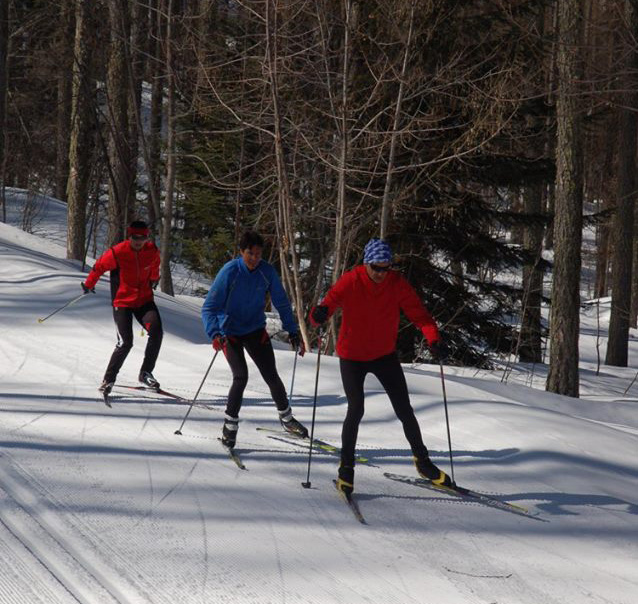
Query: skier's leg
x=148 y=316
x=234 y=351
x=353 y=375
x=388 y=371
x=259 y=348
x=123 y=318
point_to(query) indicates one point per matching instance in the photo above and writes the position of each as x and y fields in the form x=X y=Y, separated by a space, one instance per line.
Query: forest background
x=477 y=136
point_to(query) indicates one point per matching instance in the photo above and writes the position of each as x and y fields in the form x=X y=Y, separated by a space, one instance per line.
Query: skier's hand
x=219 y=342
x=439 y=351
x=296 y=343
x=86 y=289
x=154 y=284
x=319 y=315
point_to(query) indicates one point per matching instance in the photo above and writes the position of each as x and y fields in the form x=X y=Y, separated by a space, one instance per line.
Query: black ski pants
x=388 y=371
x=148 y=317
x=259 y=347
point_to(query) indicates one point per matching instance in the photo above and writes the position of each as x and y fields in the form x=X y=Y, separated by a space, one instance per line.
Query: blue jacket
x=235 y=302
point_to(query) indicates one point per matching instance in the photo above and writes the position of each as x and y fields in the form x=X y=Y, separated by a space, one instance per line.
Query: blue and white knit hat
x=377 y=250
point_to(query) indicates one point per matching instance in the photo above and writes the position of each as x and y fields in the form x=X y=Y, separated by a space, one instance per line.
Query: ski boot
x=426 y=469
x=345 y=481
x=106 y=387
x=146 y=378
x=229 y=431
x=291 y=425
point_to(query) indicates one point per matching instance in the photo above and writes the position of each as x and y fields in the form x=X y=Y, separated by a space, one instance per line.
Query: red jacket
x=131 y=273
x=370 y=321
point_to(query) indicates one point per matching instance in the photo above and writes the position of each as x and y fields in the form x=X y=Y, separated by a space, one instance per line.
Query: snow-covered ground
x=102 y=505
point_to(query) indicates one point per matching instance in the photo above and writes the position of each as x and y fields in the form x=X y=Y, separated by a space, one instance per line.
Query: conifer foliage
x=437 y=125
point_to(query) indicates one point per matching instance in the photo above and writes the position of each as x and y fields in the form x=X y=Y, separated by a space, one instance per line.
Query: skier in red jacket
x=371 y=297
x=134 y=266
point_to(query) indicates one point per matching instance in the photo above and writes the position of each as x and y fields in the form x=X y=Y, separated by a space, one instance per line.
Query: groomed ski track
x=103 y=505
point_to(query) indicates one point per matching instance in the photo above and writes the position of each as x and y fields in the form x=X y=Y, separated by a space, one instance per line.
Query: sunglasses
x=380 y=269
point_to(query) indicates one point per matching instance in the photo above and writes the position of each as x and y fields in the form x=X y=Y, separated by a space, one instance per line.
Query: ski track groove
x=108 y=570
x=280 y=570
x=34 y=579
x=204 y=582
x=49 y=545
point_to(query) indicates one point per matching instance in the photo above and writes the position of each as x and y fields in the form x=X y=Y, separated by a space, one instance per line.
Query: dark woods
x=469 y=133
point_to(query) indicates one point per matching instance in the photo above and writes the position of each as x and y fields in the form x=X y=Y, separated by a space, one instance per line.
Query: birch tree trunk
x=344 y=129
x=386 y=202
x=286 y=223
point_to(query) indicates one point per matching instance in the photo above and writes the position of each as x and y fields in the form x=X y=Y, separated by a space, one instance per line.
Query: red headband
x=137 y=231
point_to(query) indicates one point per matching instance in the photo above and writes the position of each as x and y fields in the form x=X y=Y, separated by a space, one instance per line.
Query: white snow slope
x=102 y=505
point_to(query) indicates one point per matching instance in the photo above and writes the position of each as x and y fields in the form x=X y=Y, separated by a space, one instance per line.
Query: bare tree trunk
x=386 y=202
x=4 y=85
x=119 y=146
x=564 y=326
x=166 y=281
x=344 y=129
x=136 y=59
x=80 y=144
x=63 y=109
x=285 y=220
x=603 y=255
x=633 y=315
x=155 y=136
x=530 y=349
x=622 y=260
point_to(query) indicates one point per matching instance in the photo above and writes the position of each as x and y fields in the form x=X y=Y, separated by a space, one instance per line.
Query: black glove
x=154 y=284
x=86 y=289
x=439 y=350
x=319 y=314
x=297 y=343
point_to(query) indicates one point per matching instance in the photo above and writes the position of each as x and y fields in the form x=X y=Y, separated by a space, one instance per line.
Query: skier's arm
x=213 y=310
x=331 y=301
x=336 y=294
x=414 y=310
x=106 y=262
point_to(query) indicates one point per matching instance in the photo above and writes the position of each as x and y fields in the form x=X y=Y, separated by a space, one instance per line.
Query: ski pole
x=447 y=422
x=67 y=304
x=179 y=430
x=307 y=485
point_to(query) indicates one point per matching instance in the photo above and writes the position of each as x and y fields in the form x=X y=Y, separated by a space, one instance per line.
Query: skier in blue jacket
x=234 y=319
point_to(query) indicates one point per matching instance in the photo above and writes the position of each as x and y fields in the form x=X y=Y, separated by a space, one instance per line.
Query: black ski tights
x=388 y=371
x=259 y=347
x=148 y=317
